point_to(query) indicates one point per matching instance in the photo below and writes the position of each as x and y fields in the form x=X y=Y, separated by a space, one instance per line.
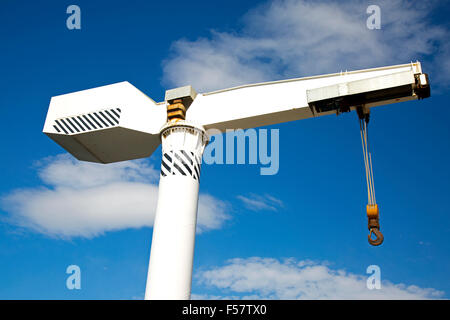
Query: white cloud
x=267 y=278
x=256 y=202
x=294 y=38
x=85 y=199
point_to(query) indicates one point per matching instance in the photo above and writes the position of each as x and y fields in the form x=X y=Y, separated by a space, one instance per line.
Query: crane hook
x=379 y=237
x=374 y=225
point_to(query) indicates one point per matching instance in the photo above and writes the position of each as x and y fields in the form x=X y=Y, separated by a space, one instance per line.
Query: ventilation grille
x=87 y=122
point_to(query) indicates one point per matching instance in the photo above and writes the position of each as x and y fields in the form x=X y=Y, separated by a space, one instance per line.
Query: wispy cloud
x=82 y=199
x=293 y=38
x=267 y=278
x=256 y=202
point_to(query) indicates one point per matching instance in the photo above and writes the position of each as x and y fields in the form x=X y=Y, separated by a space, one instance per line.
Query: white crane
x=118 y=122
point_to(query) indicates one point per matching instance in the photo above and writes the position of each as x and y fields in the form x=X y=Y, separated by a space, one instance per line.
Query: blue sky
x=309 y=227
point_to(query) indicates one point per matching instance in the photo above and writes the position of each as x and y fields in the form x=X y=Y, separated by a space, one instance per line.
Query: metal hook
x=379 y=237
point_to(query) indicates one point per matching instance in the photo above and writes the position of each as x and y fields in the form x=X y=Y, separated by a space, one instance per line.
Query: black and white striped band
x=87 y=122
x=180 y=162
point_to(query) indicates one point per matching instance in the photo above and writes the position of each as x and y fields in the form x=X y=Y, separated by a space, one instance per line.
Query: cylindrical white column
x=172 y=250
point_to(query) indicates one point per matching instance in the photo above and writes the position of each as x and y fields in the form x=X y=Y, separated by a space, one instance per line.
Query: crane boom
x=275 y=102
x=118 y=122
